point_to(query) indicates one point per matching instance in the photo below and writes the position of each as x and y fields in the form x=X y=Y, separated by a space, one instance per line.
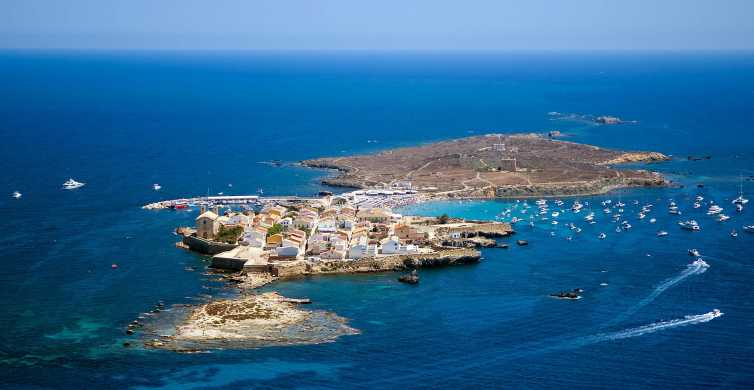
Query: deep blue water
x=196 y=122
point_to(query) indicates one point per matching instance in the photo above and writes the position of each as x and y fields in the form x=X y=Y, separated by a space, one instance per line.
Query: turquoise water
x=196 y=122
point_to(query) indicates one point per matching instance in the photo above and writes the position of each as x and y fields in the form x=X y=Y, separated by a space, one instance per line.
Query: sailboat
x=741 y=200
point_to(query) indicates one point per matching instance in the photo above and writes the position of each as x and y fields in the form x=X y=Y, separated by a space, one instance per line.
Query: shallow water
x=196 y=123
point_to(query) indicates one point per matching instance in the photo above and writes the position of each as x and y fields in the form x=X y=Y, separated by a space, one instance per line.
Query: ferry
x=71 y=184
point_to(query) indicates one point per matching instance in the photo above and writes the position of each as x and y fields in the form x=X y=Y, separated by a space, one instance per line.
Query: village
x=332 y=231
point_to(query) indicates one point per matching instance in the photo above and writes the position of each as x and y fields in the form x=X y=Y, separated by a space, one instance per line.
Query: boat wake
x=626 y=333
x=697 y=267
x=654 y=327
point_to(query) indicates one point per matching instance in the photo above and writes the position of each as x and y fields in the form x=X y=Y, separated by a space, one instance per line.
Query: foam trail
x=697 y=267
x=634 y=332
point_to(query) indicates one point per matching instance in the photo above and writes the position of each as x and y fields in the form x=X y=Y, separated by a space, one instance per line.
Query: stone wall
x=206 y=247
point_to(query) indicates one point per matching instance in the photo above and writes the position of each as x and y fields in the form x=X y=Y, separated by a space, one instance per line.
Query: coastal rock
x=249 y=322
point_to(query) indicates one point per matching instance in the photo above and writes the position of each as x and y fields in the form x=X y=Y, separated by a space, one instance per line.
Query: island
x=252 y=241
x=494 y=165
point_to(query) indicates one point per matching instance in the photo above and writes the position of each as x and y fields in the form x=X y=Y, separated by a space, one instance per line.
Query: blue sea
x=197 y=123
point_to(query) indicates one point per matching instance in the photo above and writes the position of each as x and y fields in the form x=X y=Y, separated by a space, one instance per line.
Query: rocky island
x=494 y=165
x=251 y=321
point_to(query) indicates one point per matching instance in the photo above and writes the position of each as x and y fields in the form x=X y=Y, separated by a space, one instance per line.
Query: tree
x=275 y=229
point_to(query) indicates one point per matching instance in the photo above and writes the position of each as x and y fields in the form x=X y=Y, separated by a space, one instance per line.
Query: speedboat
x=716 y=313
x=71 y=184
x=689 y=225
x=16 y=194
x=662 y=233
x=694 y=252
x=156 y=187
x=602 y=236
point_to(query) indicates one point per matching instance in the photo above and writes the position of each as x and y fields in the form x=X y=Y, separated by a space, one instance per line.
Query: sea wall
x=440 y=257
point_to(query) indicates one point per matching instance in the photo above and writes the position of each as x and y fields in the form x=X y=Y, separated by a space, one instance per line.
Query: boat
x=741 y=200
x=626 y=225
x=156 y=187
x=16 y=194
x=699 y=198
x=642 y=215
x=555 y=214
x=722 y=218
x=697 y=205
x=714 y=209
x=589 y=217
x=576 y=207
x=694 y=252
x=675 y=211
x=689 y=225
x=739 y=207
x=662 y=233
x=733 y=233
x=602 y=236
x=554 y=222
x=652 y=220
x=749 y=229
x=71 y=184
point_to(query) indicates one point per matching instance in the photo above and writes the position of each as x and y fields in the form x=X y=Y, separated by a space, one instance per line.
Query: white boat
x=589 y=217
x=739 y=207
x=16 y=194
x=749 y=229
x=576 y=207
x=675 y=212
x=722 y=218
x=652 y=220
x=555 y=214
x=699 y=198
x=602 y=236
x=662 y=233
x=697 y=205
x=642 y=215
x=689 y=225
x=741 y=200
x=626 y=225
x=714 y=209
x=734 y=233
x=71 y=184
x=554 y=222
x=156 y=187
x=694 y=252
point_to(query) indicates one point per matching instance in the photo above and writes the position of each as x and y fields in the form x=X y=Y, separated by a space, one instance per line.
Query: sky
x=378 y=25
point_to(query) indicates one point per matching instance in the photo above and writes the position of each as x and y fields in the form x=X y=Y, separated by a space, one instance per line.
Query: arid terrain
x=494 y=165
